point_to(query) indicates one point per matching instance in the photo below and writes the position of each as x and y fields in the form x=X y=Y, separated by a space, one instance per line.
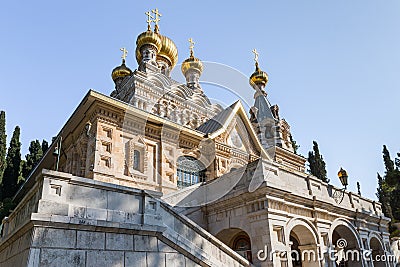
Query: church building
x=155 y=174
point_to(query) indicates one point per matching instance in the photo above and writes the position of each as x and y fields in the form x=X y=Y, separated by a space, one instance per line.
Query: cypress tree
x=388 y=191
x=389 y=164
x=33 y=158
x=45 y=146
x=383 y=197
x=13 y=170
x=3 y=145
x=317 y=164
x=392 y=175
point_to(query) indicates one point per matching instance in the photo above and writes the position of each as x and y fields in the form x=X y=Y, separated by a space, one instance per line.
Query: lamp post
x=338 y=195
x=57 y=152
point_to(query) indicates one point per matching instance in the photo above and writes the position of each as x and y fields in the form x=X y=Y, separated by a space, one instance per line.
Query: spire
x=192 y=68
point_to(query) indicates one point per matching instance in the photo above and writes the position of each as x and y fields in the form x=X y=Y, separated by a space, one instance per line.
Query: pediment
x=232 y=127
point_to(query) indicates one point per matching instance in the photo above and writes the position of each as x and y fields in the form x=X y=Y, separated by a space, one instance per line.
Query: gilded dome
x=168 y=51
x=147 y=38
x=258 y=77
x=120 y=71
x=191 y=63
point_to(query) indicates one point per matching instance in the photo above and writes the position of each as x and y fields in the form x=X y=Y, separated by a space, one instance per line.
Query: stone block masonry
x=126 y=227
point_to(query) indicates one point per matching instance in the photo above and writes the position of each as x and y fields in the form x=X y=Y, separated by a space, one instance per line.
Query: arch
x=345 y=239
x=238 y=240
x=303 y=222
x=346 y=223
x=160 y=80
x=190 y=171
x=182 y=91
x=201 y=100
x=303 y=239
x=378 y=250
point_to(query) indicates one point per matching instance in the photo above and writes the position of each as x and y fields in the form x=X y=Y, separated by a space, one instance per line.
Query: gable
x=238 y=137
x=233 y=127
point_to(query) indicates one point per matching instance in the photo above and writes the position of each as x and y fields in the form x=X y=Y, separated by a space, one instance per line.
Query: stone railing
x=267 y=175
x=64 y=201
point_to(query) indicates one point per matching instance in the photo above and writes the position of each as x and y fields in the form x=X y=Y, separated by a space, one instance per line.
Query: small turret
x=122 y=71
x=192 y=68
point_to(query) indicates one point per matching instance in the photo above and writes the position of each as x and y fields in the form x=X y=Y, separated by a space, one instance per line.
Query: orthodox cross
x=191 y=46
x=255 y=55
x=149 y=19
x=156 y=19
x=124 y=53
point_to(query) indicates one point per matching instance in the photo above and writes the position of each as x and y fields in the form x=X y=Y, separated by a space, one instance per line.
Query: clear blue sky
x=333 y=65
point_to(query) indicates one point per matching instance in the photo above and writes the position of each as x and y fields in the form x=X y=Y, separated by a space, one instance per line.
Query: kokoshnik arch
x=157 y=175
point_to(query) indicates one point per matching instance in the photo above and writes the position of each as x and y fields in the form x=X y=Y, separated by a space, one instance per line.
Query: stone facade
x=157 y=175
x=82 y=222
x=285 y=205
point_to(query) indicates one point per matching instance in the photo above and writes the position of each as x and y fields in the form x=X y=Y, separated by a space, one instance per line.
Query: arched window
x=136 y=160
x=242 y=246
x=190 y=171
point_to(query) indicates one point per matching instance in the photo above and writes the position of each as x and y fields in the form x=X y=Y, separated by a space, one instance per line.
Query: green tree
x=388 y=191
x=317 y=164
x=3 y=144
x=382 y=195
x=33 y=158
x=13 y=169
x=45 y=146
x=6 y=206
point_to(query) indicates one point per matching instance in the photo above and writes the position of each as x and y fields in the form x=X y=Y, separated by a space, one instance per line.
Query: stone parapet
x=66 y=220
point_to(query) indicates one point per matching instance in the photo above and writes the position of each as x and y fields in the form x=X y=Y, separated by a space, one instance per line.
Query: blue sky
x=333 y=65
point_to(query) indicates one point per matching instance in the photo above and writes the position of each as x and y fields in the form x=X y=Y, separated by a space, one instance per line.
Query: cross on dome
x=156 y=19
x=149 y=20
x=255 y=55
x=191 y=46
x=124 y=53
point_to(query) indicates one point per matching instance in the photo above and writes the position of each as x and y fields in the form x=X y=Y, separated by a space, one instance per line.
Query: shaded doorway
x=346 y=244
x=303 y=247
x=378 y=254
x=238 y=240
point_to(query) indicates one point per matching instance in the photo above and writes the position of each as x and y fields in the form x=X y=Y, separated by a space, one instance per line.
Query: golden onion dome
x=168 y=51
x=192 y=63
x=258 y=77
x=147 y=38
x=121 y=71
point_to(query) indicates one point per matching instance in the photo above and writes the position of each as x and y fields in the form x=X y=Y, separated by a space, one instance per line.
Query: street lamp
x=343 y=177
x=338 y=196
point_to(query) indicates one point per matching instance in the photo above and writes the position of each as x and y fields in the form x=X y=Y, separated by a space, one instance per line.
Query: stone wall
x=73 y=247
x=285 y=203
x=82 y=222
